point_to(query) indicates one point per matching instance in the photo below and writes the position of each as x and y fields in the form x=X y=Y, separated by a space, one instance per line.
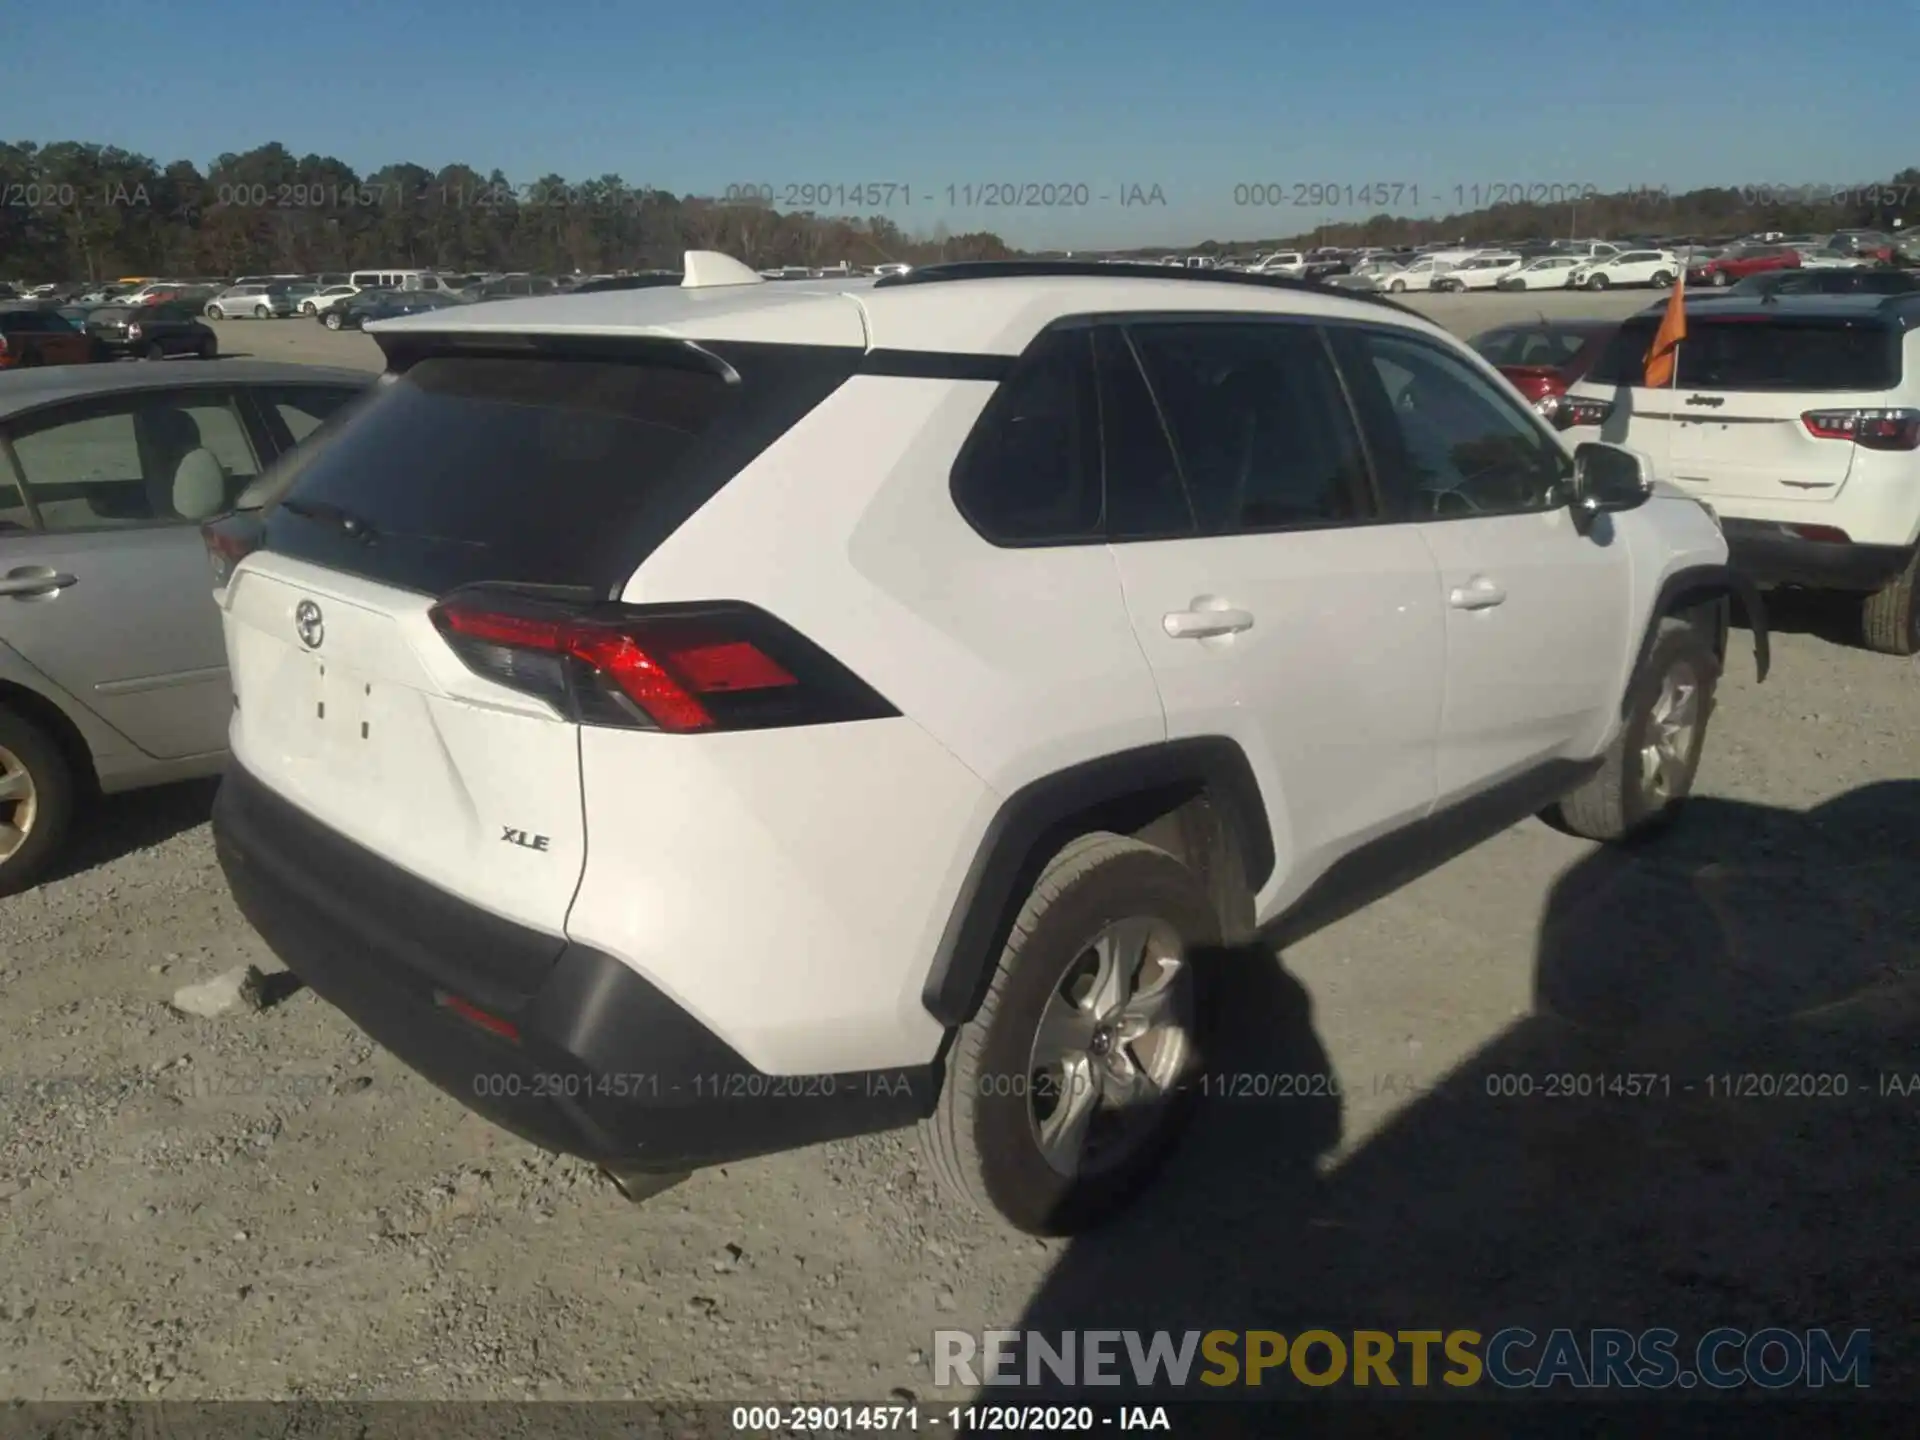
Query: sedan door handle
x=1200 y=624
x=1477 y=594
x=34 y=580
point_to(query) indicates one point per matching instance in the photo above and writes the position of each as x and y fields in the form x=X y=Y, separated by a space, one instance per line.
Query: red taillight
x=1882 y=429
x=1824 y=534
x=229 y=540
x=1580 y=410
x=473 y=1014
x=680 y=669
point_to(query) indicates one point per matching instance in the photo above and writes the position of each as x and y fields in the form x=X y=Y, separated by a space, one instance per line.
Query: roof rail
x=1124 y=269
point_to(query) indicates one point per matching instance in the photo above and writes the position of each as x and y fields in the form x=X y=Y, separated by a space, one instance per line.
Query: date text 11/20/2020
x=972 y=195
x=1391 y=194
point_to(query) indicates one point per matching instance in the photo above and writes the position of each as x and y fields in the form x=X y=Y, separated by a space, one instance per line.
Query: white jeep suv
x=694 y=722
x=1797 y=417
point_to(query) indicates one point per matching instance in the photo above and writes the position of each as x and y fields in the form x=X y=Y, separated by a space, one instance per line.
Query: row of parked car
x=1600 y=265
x=1563 y=264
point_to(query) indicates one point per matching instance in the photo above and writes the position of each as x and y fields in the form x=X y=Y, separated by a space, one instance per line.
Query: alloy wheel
x=1111 y=1046
x=1667 y=748
x=19 y=803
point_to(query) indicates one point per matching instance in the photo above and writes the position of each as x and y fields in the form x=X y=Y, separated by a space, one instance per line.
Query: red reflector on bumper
x=474 y=1015
x=1826 y=534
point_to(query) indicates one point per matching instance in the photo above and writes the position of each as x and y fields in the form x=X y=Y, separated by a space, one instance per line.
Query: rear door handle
x=1479 y=593
x=34 y=580
x=1199 y=624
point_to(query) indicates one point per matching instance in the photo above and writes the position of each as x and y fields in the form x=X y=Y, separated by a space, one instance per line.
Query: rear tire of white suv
x=1648 y=771
x=1093 y=1010
x=36 y=800
x=1890 y=616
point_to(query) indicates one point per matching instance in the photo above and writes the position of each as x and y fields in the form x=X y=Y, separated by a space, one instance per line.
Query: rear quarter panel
x=850 y=844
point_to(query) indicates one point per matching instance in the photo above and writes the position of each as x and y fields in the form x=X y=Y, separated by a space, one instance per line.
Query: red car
x=1542 y=358
x=1741 y=262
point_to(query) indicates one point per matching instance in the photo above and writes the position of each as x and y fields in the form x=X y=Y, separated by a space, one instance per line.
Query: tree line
x=71 y=210
x=77 y=211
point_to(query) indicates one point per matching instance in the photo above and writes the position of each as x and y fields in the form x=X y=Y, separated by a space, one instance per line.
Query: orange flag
x=1666 y=340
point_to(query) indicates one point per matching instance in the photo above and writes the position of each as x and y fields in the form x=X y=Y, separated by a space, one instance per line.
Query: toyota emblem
x=309 y=625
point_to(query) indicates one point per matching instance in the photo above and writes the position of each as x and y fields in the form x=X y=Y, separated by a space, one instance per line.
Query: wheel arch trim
x=1026 y=831
x=1698 y=584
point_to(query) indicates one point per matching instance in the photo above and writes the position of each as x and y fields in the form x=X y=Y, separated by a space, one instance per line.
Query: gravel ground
x=261 y=1205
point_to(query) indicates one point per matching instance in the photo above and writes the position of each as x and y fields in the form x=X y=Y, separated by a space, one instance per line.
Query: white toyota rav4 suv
x=691 y=723
x=1797 y=417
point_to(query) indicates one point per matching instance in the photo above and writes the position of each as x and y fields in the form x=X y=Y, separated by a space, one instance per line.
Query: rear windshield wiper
x=358 y=527
x=352 y=525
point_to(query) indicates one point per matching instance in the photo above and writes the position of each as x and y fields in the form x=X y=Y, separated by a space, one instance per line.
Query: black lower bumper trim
x=1771 y=554
x=606 y=1067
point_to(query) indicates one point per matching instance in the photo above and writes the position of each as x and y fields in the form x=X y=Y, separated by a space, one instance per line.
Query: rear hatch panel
x=380 y=733
x=1730 y=428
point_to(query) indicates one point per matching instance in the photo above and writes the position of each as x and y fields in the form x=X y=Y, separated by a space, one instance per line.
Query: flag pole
x=1680 y=289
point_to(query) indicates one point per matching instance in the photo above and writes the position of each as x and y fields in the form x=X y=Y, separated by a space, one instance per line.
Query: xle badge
x=523 y=839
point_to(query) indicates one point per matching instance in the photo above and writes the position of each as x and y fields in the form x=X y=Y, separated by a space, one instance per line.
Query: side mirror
x=1608 y=478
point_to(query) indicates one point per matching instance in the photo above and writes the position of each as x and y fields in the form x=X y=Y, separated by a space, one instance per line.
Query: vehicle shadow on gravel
x=110 y=827
x=1748 y=942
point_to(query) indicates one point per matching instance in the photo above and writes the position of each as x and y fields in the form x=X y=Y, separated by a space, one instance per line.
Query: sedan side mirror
x=1607 y=478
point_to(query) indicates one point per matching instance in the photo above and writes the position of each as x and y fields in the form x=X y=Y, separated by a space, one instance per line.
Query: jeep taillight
x=683 y=669
x=1578 y=410
x=1885 y=429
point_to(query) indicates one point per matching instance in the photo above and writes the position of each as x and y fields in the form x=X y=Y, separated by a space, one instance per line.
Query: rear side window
x=538 y=470
x=1030 y=474
x=1146 y=498
x=1737 y=354
x=1261 y=427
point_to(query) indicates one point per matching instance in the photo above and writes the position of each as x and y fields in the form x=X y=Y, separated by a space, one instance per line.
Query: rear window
x=538 y=470
x=1735 y=354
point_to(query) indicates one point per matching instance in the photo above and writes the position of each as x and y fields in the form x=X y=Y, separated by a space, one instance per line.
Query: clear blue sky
x=1195 y=96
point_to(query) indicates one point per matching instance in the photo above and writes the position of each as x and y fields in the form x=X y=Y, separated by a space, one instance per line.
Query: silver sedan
x=112 y=667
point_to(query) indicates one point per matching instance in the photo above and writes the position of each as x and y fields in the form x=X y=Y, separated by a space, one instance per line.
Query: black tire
x=981 y=1142
x=1617 y=803
x=1598 y=282
x=210 y=348
x=1662 y=280
x=1397 y=286
x=154 y=351
x=1721 y=278
x=213 y=313
x=332 y=321
x=30 y=749
x=1890 y=616
x=31 y=358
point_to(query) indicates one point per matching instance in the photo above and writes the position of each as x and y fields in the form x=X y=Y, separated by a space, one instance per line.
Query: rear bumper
x=605 y=1066
x=1770 y=554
